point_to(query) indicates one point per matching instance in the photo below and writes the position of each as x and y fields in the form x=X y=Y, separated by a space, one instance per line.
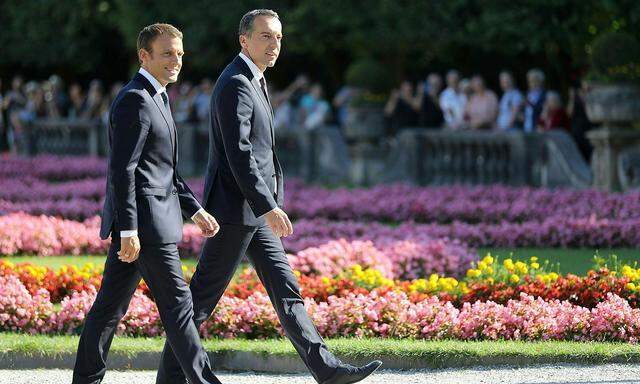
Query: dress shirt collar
x=156 y=84
x=257 y=73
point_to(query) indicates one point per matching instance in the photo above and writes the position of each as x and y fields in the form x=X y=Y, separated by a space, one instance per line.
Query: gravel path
x=549 y=374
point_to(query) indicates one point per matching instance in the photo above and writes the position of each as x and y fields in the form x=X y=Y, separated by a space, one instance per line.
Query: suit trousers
x=159 y=265
x=220 y=257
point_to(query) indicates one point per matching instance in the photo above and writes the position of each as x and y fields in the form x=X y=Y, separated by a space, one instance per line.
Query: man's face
x=533 y=81
x=406 y=89
x=262 y=44
x=165 y=59
x=452 y=80
x=16 y=84
x=435 y=83
x=505 y=81
x=477 y=85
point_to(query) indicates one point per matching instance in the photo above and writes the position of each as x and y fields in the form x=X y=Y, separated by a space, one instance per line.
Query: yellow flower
x=488 y=259
x=535 y=265
x=473 y=273
x=489 y=271
x=490 y=280
x=630 y=286
x=534 y=259
x=553 y=276
x=508 y=263
x=522 y=267
x=631 y=273
x=325 y=280
x=514 y=279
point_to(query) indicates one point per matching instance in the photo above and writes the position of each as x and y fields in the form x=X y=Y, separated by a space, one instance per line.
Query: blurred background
x=540 y=93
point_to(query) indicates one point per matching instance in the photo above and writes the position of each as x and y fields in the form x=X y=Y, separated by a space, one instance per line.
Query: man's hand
x=129 y=249
x=207 y=223
x=279 y=222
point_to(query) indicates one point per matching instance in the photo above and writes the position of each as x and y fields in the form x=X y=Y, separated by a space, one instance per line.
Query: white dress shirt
x=156 y=84
x=159 y=90
x=257 y=73
x=452 y=105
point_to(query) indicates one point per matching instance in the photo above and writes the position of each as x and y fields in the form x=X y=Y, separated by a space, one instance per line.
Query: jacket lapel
x=256 y=86
x=157 y=99
x=167 y=118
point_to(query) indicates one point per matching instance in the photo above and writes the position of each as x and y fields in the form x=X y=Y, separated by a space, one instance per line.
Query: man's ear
x=243 y=41
x=142 y=55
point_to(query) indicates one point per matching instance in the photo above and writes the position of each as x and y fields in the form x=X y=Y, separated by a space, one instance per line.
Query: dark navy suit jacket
x=244 y=178
x=144 y=190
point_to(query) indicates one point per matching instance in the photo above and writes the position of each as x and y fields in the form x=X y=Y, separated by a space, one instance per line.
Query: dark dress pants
x=159 y=265
x=220 y=257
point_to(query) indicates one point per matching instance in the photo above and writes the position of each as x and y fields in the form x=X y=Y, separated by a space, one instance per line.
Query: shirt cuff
x=201 y=210
x=129 y=233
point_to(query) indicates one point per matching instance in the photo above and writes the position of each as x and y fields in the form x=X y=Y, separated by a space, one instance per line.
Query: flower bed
x=563 y=232
x=508 y=299
x=390 y=314
x=43 y=235
x=486 y=280
x=52 y=168
x=489 y=205
x=477 y=204
x=43 y=180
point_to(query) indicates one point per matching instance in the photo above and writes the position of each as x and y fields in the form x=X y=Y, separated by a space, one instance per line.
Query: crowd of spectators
x=454 y=104
x=24 y=102
x=301 y=104
x=467 y=104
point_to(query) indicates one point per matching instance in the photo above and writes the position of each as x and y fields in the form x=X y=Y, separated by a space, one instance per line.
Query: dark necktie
x=165 y=98
x=263 y=85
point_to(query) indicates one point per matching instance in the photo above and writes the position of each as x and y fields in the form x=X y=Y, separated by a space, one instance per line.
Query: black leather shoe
x=347 y=374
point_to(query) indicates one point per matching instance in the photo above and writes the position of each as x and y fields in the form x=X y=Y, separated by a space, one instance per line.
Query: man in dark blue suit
x=143 y=210
x=244 y=191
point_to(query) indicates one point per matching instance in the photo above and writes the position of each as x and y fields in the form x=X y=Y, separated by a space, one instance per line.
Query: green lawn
x=56 y=262
x=436 y=353
x=577 y=261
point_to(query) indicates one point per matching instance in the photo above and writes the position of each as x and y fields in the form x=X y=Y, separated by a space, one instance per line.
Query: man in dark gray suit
x=244 y=191
x=143 y=211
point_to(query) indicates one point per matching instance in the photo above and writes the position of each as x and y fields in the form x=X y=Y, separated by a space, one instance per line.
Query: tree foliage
x=97 y=38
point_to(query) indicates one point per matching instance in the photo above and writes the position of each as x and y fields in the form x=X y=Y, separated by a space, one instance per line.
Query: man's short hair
x=507 y=72
x=536 y=74
x=149 y=33
x=246 y=23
